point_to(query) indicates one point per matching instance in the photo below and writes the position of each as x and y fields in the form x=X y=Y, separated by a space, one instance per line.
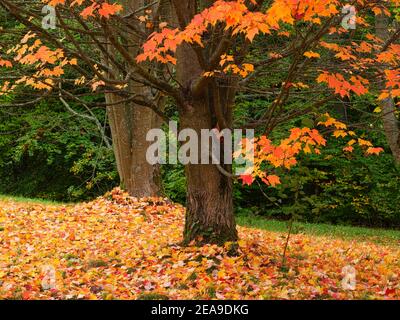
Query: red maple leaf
x=247 y=179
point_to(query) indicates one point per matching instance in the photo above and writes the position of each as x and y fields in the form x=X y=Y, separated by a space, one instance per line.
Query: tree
x=128 y=119
x=389 y=118
x=129 y=123
x=208 y=58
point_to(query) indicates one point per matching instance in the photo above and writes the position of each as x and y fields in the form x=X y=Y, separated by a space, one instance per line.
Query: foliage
x=239 y=20
x=119 y=248
x=341 y=196
x=49 y=153
x=174 y=183
x=243 y=19
x=333 y=187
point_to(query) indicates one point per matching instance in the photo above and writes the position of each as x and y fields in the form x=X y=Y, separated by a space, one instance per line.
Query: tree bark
x=390 y=121
x=130 y=123
x=209 y=216
x=391 y=127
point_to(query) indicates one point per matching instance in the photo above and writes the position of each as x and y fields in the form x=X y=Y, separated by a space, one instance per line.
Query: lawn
x=118 y=248
x=380 y=236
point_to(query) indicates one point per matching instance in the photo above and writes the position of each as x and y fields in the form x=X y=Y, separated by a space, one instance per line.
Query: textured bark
x=391 y=127
x=129 y=124
x=209 y=217
x=390 y=121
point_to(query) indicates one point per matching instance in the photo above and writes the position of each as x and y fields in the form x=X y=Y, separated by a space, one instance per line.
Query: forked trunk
x=209 y=216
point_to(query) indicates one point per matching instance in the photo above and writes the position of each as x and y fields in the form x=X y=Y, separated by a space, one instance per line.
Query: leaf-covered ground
x=119 y=248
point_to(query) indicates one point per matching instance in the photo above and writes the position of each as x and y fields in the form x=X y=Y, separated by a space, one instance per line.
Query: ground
x=117 y=247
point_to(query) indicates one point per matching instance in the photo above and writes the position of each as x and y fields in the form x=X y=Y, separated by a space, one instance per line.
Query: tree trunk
x=129 y=125
x=209 y=216
x=390 y=122
x=391 y=127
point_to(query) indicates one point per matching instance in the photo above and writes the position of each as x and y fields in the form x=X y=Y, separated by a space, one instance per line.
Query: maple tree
x=202 y=58
x=128 y=122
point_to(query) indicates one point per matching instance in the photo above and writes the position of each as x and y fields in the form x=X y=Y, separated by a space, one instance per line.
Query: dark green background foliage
x=332 y=188
x=335 y=186
x=49 y=153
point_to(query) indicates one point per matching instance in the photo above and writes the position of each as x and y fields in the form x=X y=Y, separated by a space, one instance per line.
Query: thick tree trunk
x=390 y=121
x=209 y=216
x=129 y=125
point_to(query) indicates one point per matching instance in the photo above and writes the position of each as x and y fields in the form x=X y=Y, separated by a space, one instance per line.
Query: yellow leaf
x=311 y=54
x=383 y=96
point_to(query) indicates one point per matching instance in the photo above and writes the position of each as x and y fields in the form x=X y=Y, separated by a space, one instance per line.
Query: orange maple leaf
x=108 y=10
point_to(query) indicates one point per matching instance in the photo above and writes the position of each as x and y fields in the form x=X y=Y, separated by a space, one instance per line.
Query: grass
x=381 y=236
x=29 y=200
